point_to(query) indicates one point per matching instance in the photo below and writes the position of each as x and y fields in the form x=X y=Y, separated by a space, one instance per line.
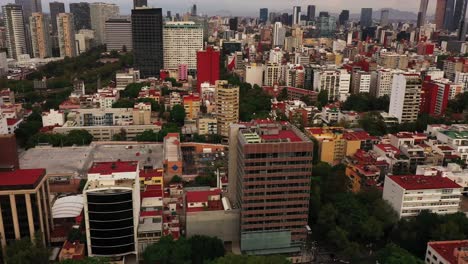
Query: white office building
x=15 y=34
x=405 y=97
x=112 y=209
x=100 y=13
x=181 y=41
x=411 y=194
x=119 y=33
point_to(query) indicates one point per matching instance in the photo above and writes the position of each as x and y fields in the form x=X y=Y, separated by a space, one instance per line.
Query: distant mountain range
x=394 y=15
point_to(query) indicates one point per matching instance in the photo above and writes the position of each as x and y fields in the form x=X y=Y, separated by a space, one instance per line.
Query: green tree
x=322 y=98
x=178 y=114
x=148 y=136
x=88 y=260
x=24 y=251
x=168 y=251
x=124 y=103
x=78 y=137
x=372 y=123
x=205 y=248
x=132 y=90
x=283 y=95
x=393 y=254
x=176 y=179
x=247 y=259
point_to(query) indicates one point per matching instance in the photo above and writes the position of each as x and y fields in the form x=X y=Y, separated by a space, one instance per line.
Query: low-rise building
x=72 y=250
x=208 y=213
x=447 y=252
x=172 y=157
x=192 y=106
x=207 y=125
x=7 y=96
x=122 y=79
x=106 y=133
x=411 y=194
x=53 y=118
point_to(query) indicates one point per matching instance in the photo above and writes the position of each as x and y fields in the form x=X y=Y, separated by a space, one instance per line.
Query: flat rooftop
x=109 y=167
x=21 y=179
x=446 y=249
x=420 y=182
x=77 y=160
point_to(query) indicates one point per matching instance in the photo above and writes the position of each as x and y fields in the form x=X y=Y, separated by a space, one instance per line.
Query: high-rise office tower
x=233 y=23
x=457 y=14
x=384 y=17
x=227 y=106
x=39 y=28
x=15 y=30
x=344 y=17
x=440 y=14
x=81 y=15
x=66 y=35
x=29 y=7
x=422 y=13
x=310 y=12
x=462 y=25
x=182 y=40
x=139 y=3
x=269 y=166
x=25 y=208
x=119 y=33
x=112 y=208
x=279 y=34
x=147 y=36
x=207 y=66
x=366 y=17
x=194 y=10
x=263 y=15
x=405 y=97
x=100 y=13
x=448 y=17
x=296 y=15
x=55 y=9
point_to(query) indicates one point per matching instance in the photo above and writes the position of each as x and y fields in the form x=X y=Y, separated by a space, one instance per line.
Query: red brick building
x=207 y=66
x=269 y=174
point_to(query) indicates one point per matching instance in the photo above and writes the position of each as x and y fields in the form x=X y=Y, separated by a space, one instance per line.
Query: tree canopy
x=196 y=250
x=178 y=114
x=247 y=259
x=74 y=137
x=364 y=102
x=24 y=251
x=393 y=254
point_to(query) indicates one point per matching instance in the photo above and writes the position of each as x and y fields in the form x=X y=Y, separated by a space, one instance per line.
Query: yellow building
x=227 y=106
x=66 y=35
x=151 y=177
x=361 y=175
x=192 y=106
x=142 y=114
x=39 y=27
x=335 y=143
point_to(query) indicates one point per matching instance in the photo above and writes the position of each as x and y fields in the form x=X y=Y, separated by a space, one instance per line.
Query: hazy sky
x=250 y=7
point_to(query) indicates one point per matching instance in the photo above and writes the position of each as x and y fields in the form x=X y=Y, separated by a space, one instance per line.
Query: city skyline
x=213 y=7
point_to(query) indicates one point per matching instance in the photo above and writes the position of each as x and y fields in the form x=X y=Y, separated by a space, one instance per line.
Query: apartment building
x=227 y=106
x=112 y=208
x=405 y=98
x=66 y=35
x=447 y=252
x=182 y=40
x=269 y=176
x=25 y=205
x=39 y=28
x=411 y=194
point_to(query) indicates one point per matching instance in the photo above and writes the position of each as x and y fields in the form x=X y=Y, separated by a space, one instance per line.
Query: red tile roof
x=21 y=177
x=201 y=196
x=151 y=173
x=283 y=134
x=358 y=135
x=420 y=182
x=446 y=249
x=107 y=168
x=151 y=213
x=12 y=121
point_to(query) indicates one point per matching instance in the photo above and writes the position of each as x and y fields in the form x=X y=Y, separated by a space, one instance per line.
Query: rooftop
x=26 y=178
x=201 y=196
x=446 y=249
x=107 y=168
x=420 y=182
x=283 y=134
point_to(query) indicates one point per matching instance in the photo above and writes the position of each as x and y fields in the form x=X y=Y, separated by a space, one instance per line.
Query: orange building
x=192 y=106
x=172 y=154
